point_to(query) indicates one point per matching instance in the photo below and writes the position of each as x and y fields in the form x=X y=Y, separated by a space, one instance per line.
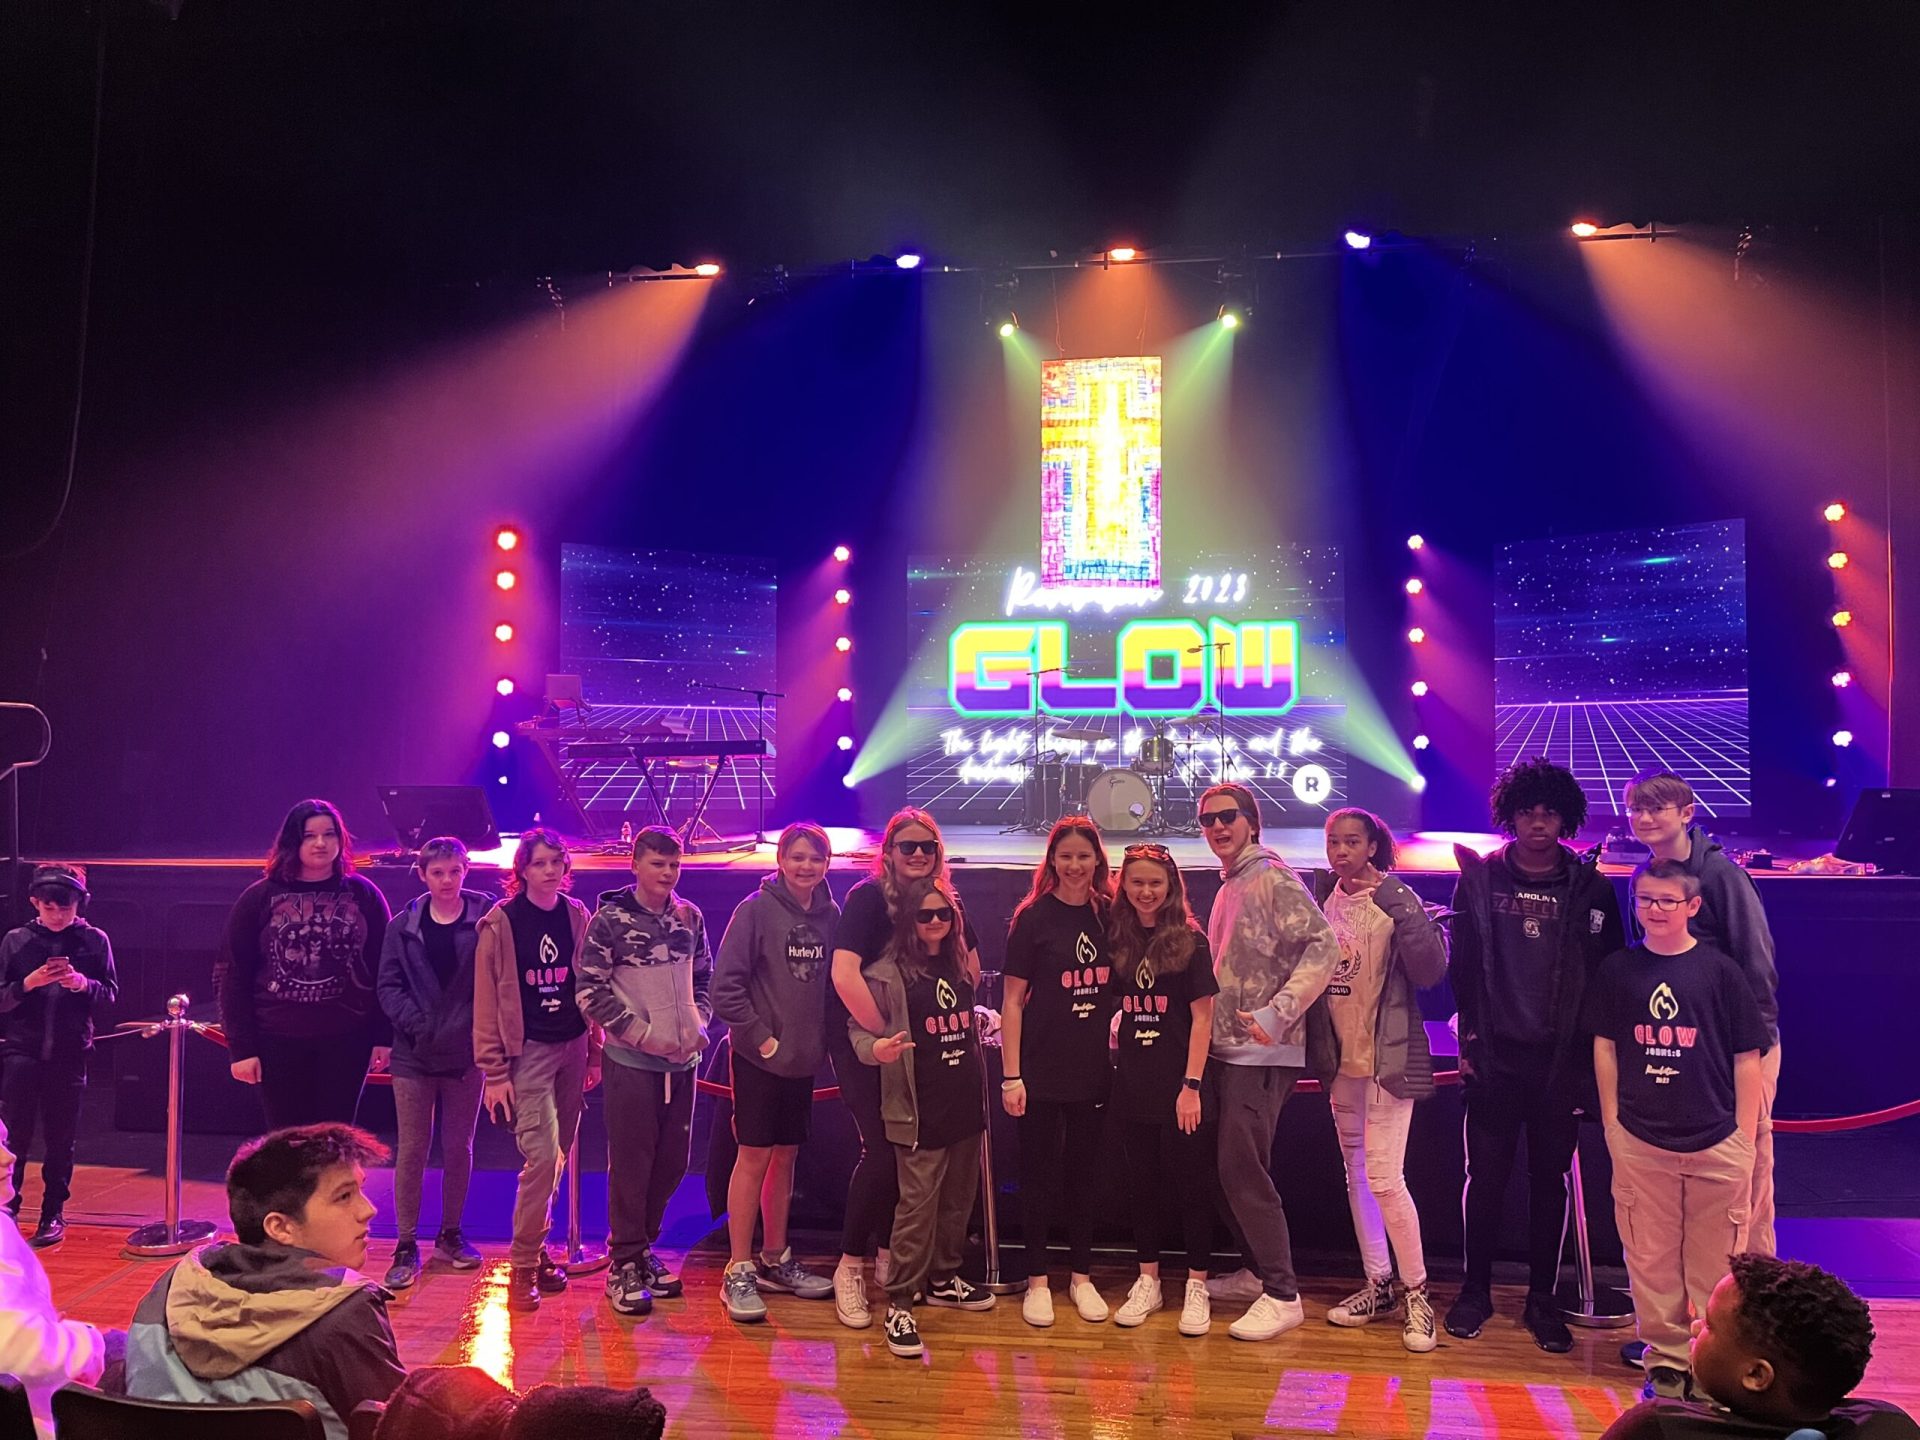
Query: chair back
x=83 y=1414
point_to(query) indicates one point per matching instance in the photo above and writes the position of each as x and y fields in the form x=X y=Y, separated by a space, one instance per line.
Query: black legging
x=1059 y=1154
x=873 y=1194
x=1171 y=1177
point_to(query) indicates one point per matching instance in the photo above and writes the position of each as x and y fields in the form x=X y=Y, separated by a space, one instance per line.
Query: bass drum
x=1120 y=802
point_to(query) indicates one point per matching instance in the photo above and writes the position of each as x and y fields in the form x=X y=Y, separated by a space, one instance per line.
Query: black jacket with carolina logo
x=771 y=974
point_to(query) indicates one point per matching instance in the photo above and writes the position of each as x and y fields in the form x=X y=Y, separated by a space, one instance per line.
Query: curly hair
x=1528 y=783
x=1817 y=1332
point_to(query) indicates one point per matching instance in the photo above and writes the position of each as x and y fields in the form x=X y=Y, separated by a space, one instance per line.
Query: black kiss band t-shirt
x=543 y=953
x=1156 y=1023
x=1060 y=950
x=947 y=1073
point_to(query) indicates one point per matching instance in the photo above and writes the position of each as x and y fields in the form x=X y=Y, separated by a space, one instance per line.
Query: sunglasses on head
x=1148 y=852
x=934 y=915
x=917 y=847
x=1221 y=817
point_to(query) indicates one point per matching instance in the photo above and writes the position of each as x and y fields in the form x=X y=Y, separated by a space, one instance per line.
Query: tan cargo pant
x=1680 y=1216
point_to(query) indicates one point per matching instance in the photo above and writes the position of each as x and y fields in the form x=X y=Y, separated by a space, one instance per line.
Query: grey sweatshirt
x=771 y=975
x=1273 y=953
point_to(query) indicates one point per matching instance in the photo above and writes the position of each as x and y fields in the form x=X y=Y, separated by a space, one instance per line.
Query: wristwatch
x=1189 y=1083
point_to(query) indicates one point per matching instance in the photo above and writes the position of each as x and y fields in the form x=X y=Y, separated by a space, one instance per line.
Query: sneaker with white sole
x=903 y=1336
x=1087 y=1301
x=1421 y=1332
x=1036 y=1306
x=1142 y=1300
x=1241 y=1285
x=1196 y=1313
x=788 y=1276
x=1373 y=1301
x=741 y=1294
x=960 y=1294
x=850 y=1297
x=1267 y=1318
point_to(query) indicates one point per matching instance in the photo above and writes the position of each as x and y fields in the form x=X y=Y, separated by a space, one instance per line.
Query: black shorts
x=770 y=1109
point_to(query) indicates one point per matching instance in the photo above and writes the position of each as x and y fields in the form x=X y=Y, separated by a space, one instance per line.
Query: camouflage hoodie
x=1273 y=953
x=644 y=977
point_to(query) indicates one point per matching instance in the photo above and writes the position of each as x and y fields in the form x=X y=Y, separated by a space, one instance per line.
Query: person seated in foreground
x=282 y=1313
x=1780 y=1348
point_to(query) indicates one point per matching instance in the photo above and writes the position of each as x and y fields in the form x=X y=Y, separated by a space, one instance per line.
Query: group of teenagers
x=1113 y=995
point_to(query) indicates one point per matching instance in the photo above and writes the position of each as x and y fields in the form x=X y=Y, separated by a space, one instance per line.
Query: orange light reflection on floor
x=486 y=1330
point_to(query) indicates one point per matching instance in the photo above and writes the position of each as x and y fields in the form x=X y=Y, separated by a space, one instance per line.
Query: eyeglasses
x=1148 y=852
x=1665 y=904
x=1647 y=812
x=917 y=847
x=1221 y=817
x=939 y=915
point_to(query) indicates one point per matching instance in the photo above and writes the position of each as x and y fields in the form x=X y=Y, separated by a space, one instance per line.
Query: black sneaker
x=551 y=1278
x=1543 y=1322
x=453 y=1248
x=627 y=1290
x=660 y=1280
x=903 y=1336
x=959 y=1294
x=1666 y=1383
x=51 y=1231
x=405 y=1268
x=1633 y=1355
x=1469 y=1314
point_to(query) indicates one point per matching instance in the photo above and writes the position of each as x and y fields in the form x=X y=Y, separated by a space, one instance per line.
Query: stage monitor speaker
x=420 y=812
x=1885 y=830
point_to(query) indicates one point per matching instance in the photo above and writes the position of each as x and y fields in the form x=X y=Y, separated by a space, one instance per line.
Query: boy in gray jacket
x=643 y=976
x=770 y=987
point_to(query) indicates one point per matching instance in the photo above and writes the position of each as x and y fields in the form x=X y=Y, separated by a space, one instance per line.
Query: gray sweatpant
x=414 y=1100
x=1245 y=1101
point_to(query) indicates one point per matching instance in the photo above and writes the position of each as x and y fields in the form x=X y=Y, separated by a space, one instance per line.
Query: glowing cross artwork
x=1100 y=472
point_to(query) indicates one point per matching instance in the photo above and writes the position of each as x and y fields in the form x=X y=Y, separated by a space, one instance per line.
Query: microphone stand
x=760 y=698
x=1223 y=771
x=1030 y=822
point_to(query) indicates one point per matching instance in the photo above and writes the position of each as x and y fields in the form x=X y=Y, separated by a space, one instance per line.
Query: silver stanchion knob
x=173 y=1236
x=583 y=1256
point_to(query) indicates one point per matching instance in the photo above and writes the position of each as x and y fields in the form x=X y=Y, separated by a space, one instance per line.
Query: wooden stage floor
x=803 y=1374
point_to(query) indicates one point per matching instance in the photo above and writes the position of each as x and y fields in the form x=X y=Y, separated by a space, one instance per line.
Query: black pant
x=649 y=1119
x=306 y=1082
x=35 y=1091
x=1059 y=1156
x=1499 y=1109
x=874 y=1192
x=1171 y=1175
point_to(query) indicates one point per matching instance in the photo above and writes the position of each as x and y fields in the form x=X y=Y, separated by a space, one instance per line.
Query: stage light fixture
x=706 y=270
x=909 y=261
x=1842 y=679
x=1229 y=318
x=1837 y=560
x=845 y=742
x=845 y=692
x=842 y=596
x=1584 y=229
x=1831 y=782
x=1121 y=254
x=1357 y=239
x=1842 y=619
x=503 y=685
x=1843 y=738
x=1415 y=585
x=507 y=538
x=1416 y=636
x=848 y=781
x=506 y=579
x=1008 y=326
x=500 y=739
x=503 y=632
x=842 y=554
x=503 y=779
x=1419 y=688
x=1416 y=542
x=1417 y=784
x=843 y=644
x=1835 y=512
x=1420 y=742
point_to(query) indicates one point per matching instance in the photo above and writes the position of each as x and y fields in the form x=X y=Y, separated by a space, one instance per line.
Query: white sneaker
x=1242 y=1285
x=1267 y=1318
x=1087 y=1301
x=1420 y=1333
x=1142 y=1300
x=1196 y=1315
x=1036 y=1306
x=850 y=1297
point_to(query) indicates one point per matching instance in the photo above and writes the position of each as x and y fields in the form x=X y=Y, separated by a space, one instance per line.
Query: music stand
x=418 y=813
x=1884 y=829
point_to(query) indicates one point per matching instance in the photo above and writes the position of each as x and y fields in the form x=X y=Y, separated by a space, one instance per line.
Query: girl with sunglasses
x=1163 y=980
x=927 y=1051
x=1053 y=1045
x=911 y=850
x=1367 y=1044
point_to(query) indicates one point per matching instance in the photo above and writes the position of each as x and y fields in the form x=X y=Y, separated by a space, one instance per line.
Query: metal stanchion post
x=583 y=1256
x=1582 y=1302
x=172 y=1236
x=996 y=1282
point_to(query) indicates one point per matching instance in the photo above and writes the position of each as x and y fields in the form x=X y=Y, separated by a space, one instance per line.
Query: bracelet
x=1011 y=1081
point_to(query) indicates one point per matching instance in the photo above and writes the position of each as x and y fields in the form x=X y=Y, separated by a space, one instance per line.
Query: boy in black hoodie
x=53 y=971
x=1532 y=922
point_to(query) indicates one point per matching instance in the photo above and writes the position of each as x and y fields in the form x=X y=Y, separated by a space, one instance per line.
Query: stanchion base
x=585 y=1259
x=1611 y=1309
x=994 y=1285
x=156 y=1240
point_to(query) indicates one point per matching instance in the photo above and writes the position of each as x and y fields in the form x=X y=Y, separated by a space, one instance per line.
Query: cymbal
x=1087 y=735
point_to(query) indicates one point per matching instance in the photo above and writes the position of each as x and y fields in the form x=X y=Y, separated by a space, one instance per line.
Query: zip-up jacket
x=899 y=1098
x=432 y=1024
x=1416 y=960
x=53 y=1022
x=499 y=1027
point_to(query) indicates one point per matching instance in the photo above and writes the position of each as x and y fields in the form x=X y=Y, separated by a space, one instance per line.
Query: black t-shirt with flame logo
x=1156 y=1021
x=1060 y=950
x=947 y=1074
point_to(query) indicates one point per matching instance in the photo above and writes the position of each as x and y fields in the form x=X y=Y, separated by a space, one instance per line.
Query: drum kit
x=1121 y=800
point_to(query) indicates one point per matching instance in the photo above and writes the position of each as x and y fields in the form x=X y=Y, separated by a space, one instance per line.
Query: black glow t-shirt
x=543 y=953
x=1156 y=1023
x=1060 y=950
x=947 y=1073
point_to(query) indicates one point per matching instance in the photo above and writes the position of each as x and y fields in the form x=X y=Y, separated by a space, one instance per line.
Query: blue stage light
x=1357 y=239
x=908 y=261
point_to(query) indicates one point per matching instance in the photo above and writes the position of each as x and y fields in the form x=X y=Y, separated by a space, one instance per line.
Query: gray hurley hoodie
x=771 y=975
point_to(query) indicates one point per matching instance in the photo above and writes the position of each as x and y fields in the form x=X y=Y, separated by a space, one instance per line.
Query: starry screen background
x=1616 y=651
